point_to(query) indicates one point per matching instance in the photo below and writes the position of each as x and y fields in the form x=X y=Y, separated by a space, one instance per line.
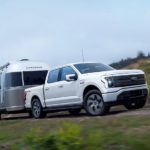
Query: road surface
x=114 y=112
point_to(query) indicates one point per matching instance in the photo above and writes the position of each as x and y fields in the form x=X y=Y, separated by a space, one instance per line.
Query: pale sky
x=55 y=31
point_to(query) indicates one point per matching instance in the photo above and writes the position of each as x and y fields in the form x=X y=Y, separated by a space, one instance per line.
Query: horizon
x=56 y=32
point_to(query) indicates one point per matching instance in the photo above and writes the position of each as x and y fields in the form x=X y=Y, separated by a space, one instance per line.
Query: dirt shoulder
x=114 y=112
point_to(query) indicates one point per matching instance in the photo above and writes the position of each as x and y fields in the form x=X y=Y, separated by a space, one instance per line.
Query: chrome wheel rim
x=36 y=109
x=95 y=104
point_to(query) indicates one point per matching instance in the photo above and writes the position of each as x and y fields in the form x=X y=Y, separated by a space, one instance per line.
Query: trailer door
x=13 y=92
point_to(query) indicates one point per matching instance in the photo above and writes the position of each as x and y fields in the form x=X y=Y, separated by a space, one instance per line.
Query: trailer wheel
x=37 y=110
x=30 y=114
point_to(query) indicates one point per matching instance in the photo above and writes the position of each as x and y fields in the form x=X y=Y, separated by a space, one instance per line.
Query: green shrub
x=36 y=140
x=74 y=137
x=66 y=138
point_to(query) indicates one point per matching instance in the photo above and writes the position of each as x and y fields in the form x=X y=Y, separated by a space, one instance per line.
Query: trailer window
x=13 y=79
x=34 y=77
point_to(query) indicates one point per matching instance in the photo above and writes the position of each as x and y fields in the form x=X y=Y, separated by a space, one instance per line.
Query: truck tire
x=75 y=111
x=37 y=110
x=94 y=104
x=135 y=105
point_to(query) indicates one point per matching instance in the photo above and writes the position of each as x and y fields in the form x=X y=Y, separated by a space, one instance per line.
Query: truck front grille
x=129 y=80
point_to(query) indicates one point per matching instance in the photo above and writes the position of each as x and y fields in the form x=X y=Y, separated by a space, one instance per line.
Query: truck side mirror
x=71 y=77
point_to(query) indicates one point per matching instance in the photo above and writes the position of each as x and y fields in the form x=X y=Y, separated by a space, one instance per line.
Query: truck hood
x=117 y=73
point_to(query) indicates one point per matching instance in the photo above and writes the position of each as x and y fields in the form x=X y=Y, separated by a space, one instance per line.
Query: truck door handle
x=60 y=86
x=46 y=89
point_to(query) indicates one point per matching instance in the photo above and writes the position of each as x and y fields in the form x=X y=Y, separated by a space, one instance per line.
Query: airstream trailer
x=15 y=77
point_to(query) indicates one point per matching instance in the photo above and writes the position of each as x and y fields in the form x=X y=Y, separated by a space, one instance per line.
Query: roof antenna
x=83 y=55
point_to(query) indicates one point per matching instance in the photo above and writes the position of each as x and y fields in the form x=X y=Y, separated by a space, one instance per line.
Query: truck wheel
x=75 y=111
x=37 y=110
x=94 y=104
x=135 y=105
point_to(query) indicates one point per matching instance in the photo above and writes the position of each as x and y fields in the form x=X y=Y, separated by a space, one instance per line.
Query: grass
x=97 y=133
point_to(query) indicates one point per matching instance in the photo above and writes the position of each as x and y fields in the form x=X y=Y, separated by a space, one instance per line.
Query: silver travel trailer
x=15 y=77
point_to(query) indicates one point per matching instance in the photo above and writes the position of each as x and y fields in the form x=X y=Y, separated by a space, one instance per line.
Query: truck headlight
x=110 y=81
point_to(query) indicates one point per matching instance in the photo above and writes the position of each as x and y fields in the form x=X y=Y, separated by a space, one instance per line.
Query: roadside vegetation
x=108 y=133
x=129 y=61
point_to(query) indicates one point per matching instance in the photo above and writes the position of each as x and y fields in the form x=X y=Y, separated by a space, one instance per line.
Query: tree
x=140 y=55
x=148 y=55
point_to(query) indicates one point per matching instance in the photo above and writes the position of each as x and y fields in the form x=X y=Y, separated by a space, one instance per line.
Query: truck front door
x=51 y=88
x=60 y=92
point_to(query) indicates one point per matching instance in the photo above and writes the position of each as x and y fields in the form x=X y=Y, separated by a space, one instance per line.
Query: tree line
x=125 y=62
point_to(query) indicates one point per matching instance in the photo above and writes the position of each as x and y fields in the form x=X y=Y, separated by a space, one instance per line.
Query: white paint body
x=65 y=93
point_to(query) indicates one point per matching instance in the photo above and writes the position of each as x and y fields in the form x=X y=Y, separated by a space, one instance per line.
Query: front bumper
x=126 y=94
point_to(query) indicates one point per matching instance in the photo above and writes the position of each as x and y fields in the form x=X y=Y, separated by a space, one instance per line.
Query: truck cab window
x=53 y=76
x=13 y=79
x=66 y=71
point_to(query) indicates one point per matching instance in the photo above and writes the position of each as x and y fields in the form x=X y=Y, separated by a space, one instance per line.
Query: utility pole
x=83 y=55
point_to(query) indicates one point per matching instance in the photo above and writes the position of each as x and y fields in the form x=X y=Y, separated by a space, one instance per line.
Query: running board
x=62 y=108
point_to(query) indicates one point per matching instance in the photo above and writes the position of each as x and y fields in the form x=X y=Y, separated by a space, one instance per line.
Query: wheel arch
x=34 y=97
x=39 y=97
x=89 y=88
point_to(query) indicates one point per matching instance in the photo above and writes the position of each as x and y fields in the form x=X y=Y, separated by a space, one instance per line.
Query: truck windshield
x=34 y=77
x=92 y=67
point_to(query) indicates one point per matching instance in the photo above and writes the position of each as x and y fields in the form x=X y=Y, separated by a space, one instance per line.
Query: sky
x=56 y=31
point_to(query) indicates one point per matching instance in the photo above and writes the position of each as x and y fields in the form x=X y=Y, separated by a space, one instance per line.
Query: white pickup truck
x=94 y=87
